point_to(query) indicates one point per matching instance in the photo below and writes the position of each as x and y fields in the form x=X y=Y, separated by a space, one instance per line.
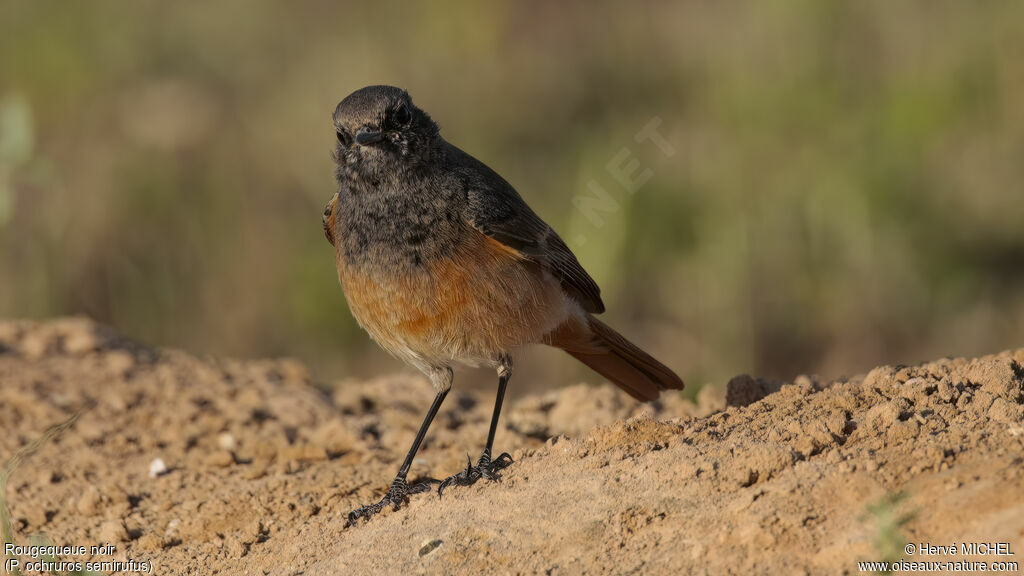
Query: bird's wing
x=328 y=218
x=496 y=209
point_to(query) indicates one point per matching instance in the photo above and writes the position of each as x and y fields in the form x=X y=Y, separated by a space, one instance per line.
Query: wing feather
x=497 y=210
x=328 y=218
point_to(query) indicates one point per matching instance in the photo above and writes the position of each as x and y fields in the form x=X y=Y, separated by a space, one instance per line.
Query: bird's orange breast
x=482 y=300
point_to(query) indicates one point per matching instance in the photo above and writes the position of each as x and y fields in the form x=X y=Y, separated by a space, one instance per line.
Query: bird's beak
x=367 y=135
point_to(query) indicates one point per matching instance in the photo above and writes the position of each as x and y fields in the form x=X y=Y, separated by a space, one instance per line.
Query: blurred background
x=844 y=188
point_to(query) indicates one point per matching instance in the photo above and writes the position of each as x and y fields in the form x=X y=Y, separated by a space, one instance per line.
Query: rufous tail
x=606 y=352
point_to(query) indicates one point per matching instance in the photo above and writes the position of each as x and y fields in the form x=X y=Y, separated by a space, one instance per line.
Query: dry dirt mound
x=262 y=467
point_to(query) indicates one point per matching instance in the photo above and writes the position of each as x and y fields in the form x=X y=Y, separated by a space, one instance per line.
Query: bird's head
x=380 y=131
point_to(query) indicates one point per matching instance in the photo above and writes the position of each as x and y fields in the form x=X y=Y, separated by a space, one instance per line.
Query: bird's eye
x=344 y=138
x=403 y=115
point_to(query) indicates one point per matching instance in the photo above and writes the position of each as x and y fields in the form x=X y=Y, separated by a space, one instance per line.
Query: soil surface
x=209 y=466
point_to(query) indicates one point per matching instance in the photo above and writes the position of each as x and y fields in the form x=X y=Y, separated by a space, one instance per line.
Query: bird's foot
x=485 y=468
x=396 y=496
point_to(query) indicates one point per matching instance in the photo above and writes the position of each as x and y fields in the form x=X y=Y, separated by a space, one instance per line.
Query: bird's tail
x=609 y=354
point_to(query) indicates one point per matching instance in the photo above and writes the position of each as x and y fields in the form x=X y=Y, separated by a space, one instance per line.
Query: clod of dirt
x=744 y=390
x=259 y=468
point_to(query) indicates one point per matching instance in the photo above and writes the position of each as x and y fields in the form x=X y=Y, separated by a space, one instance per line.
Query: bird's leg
x=485 y=467
x=489 y=469
x=400 y=490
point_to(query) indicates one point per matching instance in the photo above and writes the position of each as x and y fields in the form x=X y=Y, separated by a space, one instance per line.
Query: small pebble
x=157 y=468
x=119 y=362
x=226 y=441
x=172 y=528
x=81 y=341
x=429 y=546
x=220 y=459
x=88 y=503
x=112 y=532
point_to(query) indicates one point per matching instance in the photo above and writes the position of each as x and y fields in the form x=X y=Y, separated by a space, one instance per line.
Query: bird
x=443 y=263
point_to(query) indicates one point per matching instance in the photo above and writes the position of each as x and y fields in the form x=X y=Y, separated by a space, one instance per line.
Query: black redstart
x=442 y=262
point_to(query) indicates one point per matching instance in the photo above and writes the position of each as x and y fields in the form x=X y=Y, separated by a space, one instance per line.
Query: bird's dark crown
x=369 y=104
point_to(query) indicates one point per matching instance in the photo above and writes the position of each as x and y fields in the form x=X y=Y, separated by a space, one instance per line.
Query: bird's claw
x=485 y=468
x=396 y=496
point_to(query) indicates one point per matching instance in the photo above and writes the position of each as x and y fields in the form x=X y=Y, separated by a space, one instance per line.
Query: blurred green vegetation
x=846 y=188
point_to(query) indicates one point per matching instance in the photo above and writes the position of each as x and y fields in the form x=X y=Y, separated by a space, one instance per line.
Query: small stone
x=880 y=377
x=882 y=416
x=555 y=440
x=1003 y=411
x=219 y=459
x=235 y=548
x=119 y=362
x=149 y=542
x=335 y=438
x=805 y=382
x=947 y=392
x=172 y=529
x=429 y=546
x=10 y=332
x=836 y=424
x=157 y=468
x=305 y=452
x=254 y=531
x=112 y=532
x=226 y=441
x=35 y=344
x=81 y=341
x=743 y=390
x=36 y=516
x=255 y=471
x=88 y=503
